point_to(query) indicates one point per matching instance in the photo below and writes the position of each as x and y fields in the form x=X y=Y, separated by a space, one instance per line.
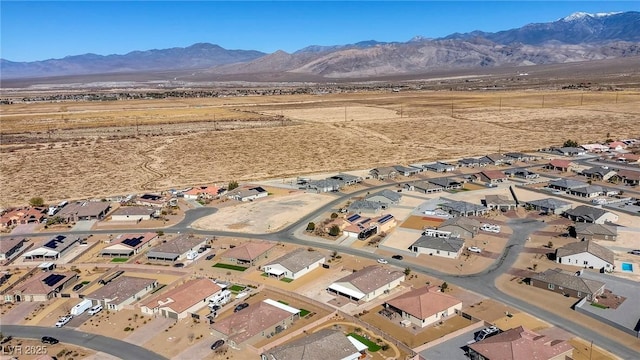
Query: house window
x=551 y=286
x=586 y=262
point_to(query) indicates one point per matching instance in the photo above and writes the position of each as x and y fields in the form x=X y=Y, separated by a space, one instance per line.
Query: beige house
x=125 y=245
x=248 y=253
x=182 y=300
x=10 y=248
x=41 y=287
x=324 y=344
x=123 y=291
x=367 y=284
x=519 y=343
x=259 y=321
x=424 y=306
x=295 y=264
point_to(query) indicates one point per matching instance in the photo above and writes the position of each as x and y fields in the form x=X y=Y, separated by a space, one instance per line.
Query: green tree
x=550 y=244
x=232 y=185
x=444 y=286
x=311 y=226
x=407 y=271
x=570 y=143
x=36 y=201
x=334 y=215
x=334 y=230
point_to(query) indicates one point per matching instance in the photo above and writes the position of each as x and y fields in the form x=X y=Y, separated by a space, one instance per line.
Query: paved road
x=482 y=283
x=111 y=346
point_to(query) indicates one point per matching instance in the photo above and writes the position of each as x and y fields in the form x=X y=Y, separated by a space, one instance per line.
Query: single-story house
x=247 y=193
x=499 y=202
x=182 y=247
x=598 y=173
x=346 y=179
x=567 y=283
x=521 y=173
x=366 y=207
x=363 y=227
x=84 y=210
x=248 y=253
x=367 y=283
x=326 y=344
x=517 y=156
x=590 y=214
x=323 y=185
x=589 y=231
x=469 y=162
x=560 y=165
x=586 y=254
x=295 y=264
x=446 y=183
x=41 y=287
x=10 y=248
x=182 y=300
x=590 y=191
x=122 y=291
x=461 y=227
x=205 y=192
x=261 y=320
x=567 y=184
x=424 y=306
x=549 y=206
x=449 y=247
x=617 y=145
x=627 y=158
x=135 y=213
x=439 y=167
x=463 y=208
x=383 y=173
x=569 y=151
x=595 y=148
x=53 y=249
x=125 y=245
x=423 y=187
x=23 y=216
x=493 y=159
x=627 y=177
x=152 y=200
x=519 y=343
x=407 y=170
x=386 y=197
x=492 y=176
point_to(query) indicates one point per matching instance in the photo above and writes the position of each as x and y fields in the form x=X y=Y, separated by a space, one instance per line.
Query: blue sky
x=33 y=30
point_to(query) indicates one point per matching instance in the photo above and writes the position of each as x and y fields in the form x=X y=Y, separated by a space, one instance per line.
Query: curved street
x=482 y=283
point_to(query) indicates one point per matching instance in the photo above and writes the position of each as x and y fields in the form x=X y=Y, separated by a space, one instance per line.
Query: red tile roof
x=494 y=174
x=423 y=302
x=560 y=163
x=248 y=251
x=184 y=296
x=251 y=321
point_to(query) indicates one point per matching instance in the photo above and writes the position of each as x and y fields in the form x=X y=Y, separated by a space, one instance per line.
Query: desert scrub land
x=72 y=150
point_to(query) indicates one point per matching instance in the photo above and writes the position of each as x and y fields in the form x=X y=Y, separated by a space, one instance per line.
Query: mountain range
x=577 y=37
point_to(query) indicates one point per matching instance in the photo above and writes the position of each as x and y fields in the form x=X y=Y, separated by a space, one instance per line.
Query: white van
x=96 y=309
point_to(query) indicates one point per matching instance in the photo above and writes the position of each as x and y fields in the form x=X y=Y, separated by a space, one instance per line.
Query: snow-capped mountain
x=581 y=15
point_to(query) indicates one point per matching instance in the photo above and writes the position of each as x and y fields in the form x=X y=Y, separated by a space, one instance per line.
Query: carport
x=346 y=292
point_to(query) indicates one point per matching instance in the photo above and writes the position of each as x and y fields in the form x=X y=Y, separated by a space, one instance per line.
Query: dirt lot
x=137 y=149
x=30 y=349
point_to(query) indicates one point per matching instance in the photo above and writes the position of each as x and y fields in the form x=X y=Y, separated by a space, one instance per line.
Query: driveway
x=453 y=349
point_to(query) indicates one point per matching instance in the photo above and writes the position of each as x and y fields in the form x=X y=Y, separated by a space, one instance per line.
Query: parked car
x=217 y=344
x=49 y=340
x=178 y=265
x=382 y=261
x=397 y=257
x=64 y=320
x=474 y=249
x=78 y=287
x=240 y=307
x=210 y=257
x=96 y=309
x=486 y=332
x=634 y=252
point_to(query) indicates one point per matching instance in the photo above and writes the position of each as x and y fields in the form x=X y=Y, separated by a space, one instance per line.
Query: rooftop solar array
x=365 y=221
x=150 y=197
x=53 y=279
x=133 y=242
x=353 y=218
x=53 y=243
x=385 y=219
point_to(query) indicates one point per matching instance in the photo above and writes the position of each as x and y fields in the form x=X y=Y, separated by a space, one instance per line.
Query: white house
x=586 y=254
x=135 y=213
x=424 y=306
x=325 y=344
x=247 y=194
x=123 y=291
x=590 y=214
x=295 y=264
x=182 y=300
x=367 y=284
x=443 y=246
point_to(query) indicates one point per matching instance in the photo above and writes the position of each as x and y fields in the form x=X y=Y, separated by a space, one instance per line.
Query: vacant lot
x=85 y=149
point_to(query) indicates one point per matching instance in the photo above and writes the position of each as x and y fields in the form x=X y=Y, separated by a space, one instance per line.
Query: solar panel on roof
x=133 y=242
x=53 y=243
x=353 y=218
x=365 y=221
x=385 y=218
x=53 y=279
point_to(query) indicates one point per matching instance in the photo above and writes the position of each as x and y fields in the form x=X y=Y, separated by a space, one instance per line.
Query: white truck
x=220 y=298
x=81 y=307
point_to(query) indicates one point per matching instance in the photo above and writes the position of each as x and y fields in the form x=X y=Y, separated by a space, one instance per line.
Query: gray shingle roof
x=177 y=246
x=568 y=183
x=595 y=229
x=462 y=206
x=439 y=243
x=470 y=225
x=325 y=344
x=569 y=280
x=298 y=259
x=371 y=278
x=586 y=213
x=549 y=203
x=360 y=205
x=587 y=246
x=391 y=195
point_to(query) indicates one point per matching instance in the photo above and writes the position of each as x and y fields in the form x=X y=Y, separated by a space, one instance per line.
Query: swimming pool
x=627 y=267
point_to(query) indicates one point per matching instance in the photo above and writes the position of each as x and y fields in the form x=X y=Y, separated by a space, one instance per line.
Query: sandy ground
x=30 y=349
x=154 y=159
x=264 y=215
